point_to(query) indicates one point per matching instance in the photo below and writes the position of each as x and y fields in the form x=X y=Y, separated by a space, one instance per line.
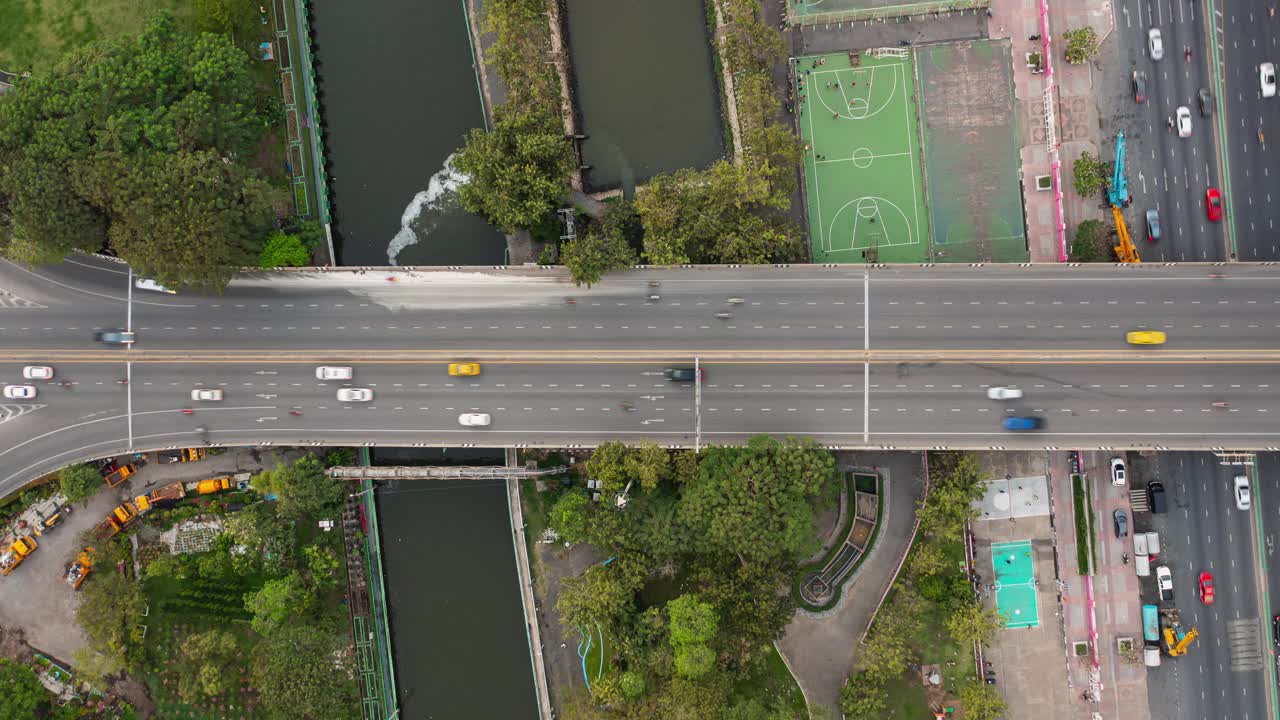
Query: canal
x=398 y=94
x=646 y=90
x=457 y=624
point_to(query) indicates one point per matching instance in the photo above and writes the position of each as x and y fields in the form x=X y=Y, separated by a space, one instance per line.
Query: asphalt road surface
x=1225 y=672
x=789 y=359
x=1250 y=38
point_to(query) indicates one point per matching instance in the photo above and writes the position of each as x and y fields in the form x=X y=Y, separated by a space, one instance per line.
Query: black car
x=1139 y=86
x=115 y=337
x=1275 y=629
x=685 y=374
x=1205 y=101
x=1155 y=497
x=1122 y=523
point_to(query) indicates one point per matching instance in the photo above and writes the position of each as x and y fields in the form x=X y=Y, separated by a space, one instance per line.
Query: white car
x=211 y=394
x=1164 y=581
x=355 y=395
x=1267 y=78
x=152 y=285
x=474 y=419
x=1004 y=393
x=1183 y=116
x=1155 y=44
x=20 y=392
x=333 y=372
x=37 y=372
x=1117 y=471
x=1244 y=499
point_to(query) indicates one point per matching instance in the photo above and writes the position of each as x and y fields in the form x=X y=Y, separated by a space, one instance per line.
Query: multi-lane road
x=855 y=357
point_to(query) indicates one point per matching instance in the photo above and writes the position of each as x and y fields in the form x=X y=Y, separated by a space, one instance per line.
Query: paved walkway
x=1075 y=110
x=821 y=649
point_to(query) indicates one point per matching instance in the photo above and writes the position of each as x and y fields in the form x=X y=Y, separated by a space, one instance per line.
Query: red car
x=1213 y=204
x=1206 y=588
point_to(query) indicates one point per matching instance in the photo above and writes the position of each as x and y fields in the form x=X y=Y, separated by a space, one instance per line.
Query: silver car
x=474 y=419
x=1155 y=43
x=355 y=395
x=333 y=372
x=206 y=394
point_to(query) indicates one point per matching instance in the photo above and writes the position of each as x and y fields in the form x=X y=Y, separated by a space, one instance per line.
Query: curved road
x=796 y=357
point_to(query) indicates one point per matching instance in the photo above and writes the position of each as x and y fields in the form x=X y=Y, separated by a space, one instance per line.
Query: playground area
x=971 y=152
x=862 y=165
x=817 y=12
x=1015 y=583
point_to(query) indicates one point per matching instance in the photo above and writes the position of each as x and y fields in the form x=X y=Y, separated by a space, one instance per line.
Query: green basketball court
x=862 y=168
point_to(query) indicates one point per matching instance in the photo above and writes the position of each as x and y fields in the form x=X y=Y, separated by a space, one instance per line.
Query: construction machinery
x=16 y=553
x=181 y=455
x=80 y=568
x=120 y=474
x=1176 y=638
x=1118 y=196
x=168 y=494
x=212 y=485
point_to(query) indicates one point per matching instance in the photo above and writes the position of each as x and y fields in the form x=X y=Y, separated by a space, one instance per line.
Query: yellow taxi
x=464 y=369
x=1145 y=337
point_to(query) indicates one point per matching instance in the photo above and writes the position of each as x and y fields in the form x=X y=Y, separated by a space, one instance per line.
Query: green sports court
x=862 y=166
x=1015 y=583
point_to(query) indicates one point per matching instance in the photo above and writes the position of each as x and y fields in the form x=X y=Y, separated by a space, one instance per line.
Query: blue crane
x=1118 y=193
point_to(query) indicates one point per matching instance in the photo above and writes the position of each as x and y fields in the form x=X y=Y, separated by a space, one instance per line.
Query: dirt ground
x=38 y=608
x=554 y=563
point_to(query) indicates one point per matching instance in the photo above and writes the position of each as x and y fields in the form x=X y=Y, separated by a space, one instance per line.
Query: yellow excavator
x=80 y=568
x=1176 y=640
x=17 y=552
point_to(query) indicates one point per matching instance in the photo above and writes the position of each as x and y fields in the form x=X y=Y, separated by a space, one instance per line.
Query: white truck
x=1146 y=546
x=1164 y=582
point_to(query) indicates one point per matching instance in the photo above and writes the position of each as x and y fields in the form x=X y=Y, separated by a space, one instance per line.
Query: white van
x=149 y=284
x=1153 y=543
x=1139 y=544
x=1142 y=564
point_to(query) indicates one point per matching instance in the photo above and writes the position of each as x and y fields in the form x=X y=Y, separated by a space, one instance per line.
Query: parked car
x=1139 y=86
x=1275 y=629
x=1213 y=204
x=1117 y=471
x=1121 y=522
x=1004 y=393
x=474 y=419
x=1023 y=423
x=1206 y=588
x=37 y=372
x=333 y=372
x=1155 y=497
x=1205 y=102
x=1155 y=44
x=1164 y=582
x=1182 y=117
x=1244 y=498
x=1267 y=78
x=1153 y=225
x=355 y=395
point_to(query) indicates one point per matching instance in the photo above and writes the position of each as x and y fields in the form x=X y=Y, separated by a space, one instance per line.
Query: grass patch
x=905 y=698
x=1080 y=505
x=773 y=684
x=599 y=660
x=35 y=35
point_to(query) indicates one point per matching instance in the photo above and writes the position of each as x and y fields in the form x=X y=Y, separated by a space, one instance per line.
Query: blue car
x=1023 y=423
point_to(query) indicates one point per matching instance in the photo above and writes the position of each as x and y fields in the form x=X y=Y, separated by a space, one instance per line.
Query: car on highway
x=1004 y=393
x=152 y=285
x=333 y=372
x=1023 y=423
x=1275 y=629
x=1205 y=102
x=20 y=392
x=684 y=374
x=1155 y=44
x=474 y=419
x=464 y=369
x=1153 y=225
x=1117 y=471
x=37 y=372
x=1145 y=337
x=1121 y=522
x=1183 y=118
x=206 y=394
x=355 y=395
x=1244 y=498
x=116 y=337
x=1267 y=79
x=1139 y=86
x=1206 y=588
x=1213 y=204
x=1164 y=582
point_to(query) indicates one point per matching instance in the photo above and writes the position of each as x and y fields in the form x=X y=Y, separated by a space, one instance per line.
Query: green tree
x=971 y=623
x=926 y=559
x=631 y=684
x=981 y=701
x=234 y=18
x=862 y=697
x=569 y=516
x=109 y=610
x=518 y=172
x=594 y=253
x=684 y=467
x=79 y=482
x=1082 y=44
x=1090 y=175
x=604 y=594
x=693 y=625
x=20 y=690
x=323 y=564
x=949 y=504
x=608 y=464
x=284 y=250
x=300 y=671
x=208 y=665
x=304 y=489
x=648 y=464
x=694 y=661
x=278 y=601
x=151 y=169
x=253 y=526
x=1092 y=242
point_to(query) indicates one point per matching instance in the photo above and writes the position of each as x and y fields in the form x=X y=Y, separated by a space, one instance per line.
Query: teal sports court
x=1015 y=583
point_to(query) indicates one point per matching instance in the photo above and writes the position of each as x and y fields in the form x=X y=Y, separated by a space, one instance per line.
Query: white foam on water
x=426 y=206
